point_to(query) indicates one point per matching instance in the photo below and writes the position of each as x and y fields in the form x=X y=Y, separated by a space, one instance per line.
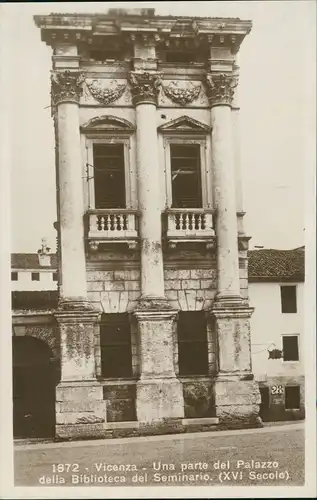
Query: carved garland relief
x=182 y=94
x=106 y=95
x=66 y=86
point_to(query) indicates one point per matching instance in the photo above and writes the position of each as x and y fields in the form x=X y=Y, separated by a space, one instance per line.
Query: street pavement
x=272 y=456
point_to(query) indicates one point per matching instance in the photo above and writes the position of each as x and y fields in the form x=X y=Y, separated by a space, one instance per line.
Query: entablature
x=124 y=26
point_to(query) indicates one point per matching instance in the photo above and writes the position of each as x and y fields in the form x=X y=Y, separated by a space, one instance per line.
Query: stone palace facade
x=153 y=320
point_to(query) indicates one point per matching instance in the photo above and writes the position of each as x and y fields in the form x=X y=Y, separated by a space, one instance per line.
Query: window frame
x=55 y=274
x=298 y=350
x=15 y=273
x=102 y=138
x=299 y=392
x=103 y=346
x=35 y=273
x=296 y=298
x=206 y=195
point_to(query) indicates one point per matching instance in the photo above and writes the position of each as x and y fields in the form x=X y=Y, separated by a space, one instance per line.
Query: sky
x=277 y=99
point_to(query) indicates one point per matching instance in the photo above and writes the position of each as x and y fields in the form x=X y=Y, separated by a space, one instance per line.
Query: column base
x=159 y=400
x=80 y=410
x=75 y=304
x=159 y=394
x=237 y=402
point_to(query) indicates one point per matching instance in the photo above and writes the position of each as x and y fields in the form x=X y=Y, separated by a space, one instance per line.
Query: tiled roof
x=277 y=265
x=30 y=261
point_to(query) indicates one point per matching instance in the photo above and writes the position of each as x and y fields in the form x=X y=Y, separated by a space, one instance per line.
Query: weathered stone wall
x=199 y=398
x=120 y=402
x=114 y=291
x=43 y=328
x=188 y=289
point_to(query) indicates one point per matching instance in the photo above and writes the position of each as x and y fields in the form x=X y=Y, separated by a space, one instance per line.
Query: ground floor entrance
x=34 y=380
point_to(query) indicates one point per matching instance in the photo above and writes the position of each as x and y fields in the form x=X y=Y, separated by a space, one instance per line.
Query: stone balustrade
x=194 y=224
x=111 y=226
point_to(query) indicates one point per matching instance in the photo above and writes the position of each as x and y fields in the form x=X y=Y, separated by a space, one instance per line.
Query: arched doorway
x=34 y=380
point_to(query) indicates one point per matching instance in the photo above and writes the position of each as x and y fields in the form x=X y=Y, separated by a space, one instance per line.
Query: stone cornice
x=66 y=86
x=220 y=88
x=145 y=86
x=151 y=28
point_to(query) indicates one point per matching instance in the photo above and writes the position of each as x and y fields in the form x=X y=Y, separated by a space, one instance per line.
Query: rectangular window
x=288 y=299
x=186 y=176
x=292 y=397
x=115 y=345
x=290 y=348
x=35 y=276
x=55 y=277
x=192 y=343
x=109 y=176
x=14 y=276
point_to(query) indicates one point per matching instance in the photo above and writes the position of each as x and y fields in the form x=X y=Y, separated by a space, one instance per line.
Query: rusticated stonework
x=220 y=88
x=106 y=95
x=66 y=86
x=145 y=86
x=182 y=95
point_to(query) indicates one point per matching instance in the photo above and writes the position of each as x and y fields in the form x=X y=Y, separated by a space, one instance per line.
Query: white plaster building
x=276 y=291
x=34 y=272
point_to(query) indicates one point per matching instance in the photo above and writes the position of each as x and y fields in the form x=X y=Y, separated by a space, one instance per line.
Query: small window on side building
x=35 y=276
x=292 y=397
x=55 y=277
x=290 y=348
x=288 y=299
x=14 y=276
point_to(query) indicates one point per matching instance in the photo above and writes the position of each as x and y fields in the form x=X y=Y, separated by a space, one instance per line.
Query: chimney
x=44 y=254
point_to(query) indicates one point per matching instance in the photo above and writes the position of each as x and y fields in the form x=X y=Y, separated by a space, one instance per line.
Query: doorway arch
x=34 y=381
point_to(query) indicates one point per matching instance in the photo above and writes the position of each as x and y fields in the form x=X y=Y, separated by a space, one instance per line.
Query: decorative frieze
x=66 y=86
x=106 y=95
x=182 y=94
x=220 y=88
x=145 y=86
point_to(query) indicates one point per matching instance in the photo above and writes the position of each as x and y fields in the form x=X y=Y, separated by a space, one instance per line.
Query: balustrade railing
x=190 y=223
x=112 y=224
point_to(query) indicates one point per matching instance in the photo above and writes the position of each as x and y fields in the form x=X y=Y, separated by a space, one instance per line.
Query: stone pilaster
x=235 y=109
x=80 y=409
x=66 y=90
x=145 y=87
x=237 y=395
x=159 y=392
x=220 y=88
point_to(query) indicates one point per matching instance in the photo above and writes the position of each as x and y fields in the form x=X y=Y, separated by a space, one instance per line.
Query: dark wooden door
x=33 y=389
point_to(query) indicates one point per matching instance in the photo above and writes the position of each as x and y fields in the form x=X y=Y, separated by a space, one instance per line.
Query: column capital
x=66 y=86
x=145 y=86
x=220 y=88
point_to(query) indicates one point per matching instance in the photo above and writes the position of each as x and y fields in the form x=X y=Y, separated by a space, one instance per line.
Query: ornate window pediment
x=184 y=124
x=108 y=123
